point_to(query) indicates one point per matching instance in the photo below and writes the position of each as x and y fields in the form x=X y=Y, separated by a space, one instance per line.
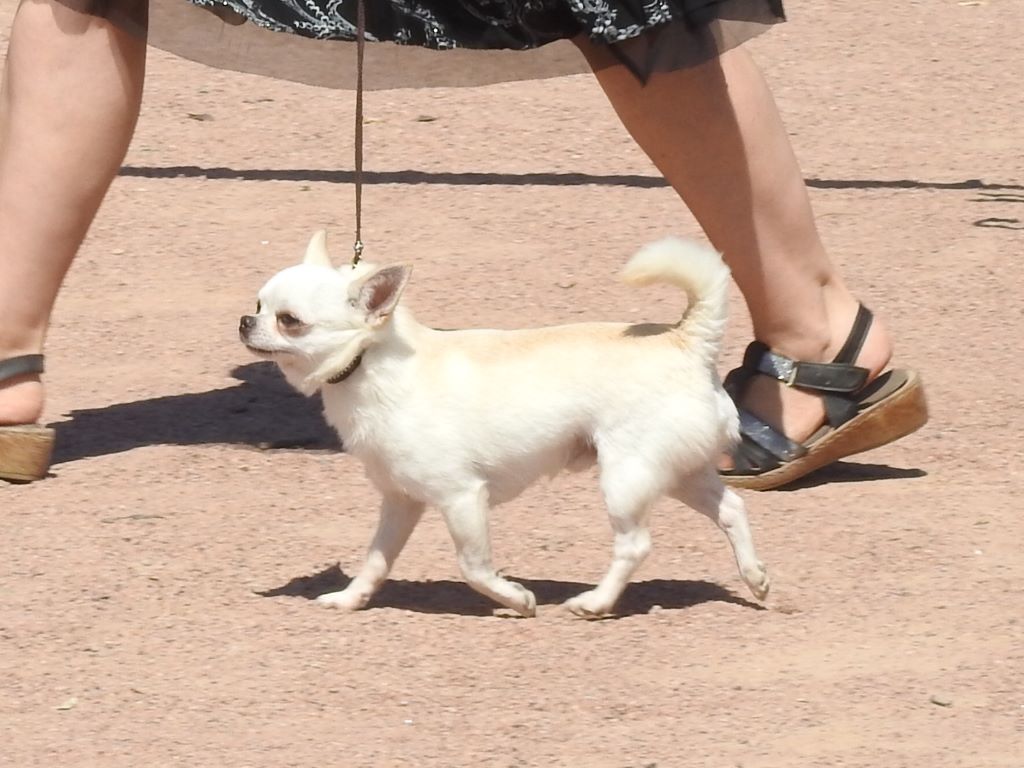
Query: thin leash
x=360 y=44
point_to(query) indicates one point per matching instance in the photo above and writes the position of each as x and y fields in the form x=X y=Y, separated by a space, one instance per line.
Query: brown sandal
x=25 y=449
x=860 y=415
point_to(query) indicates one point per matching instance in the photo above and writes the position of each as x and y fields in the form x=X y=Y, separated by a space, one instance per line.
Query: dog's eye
x=288 y=320
x=259 y=306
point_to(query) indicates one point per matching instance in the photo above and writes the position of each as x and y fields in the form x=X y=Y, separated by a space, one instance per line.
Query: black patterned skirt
x=439 y=42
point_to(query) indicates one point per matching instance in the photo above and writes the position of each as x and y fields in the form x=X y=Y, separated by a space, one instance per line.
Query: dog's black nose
x=246 y=324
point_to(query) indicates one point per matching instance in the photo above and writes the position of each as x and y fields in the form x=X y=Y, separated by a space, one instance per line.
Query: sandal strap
x=748 y=458
x=858 y=335
x=19 y=366
x=768 y=438
x=839 y=376
x=761 y=448
x=820 y=377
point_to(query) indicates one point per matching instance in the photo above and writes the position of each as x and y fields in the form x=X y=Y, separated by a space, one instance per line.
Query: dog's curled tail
x=700 y=272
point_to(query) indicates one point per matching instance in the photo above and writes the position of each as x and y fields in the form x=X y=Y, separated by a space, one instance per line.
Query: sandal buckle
x=786 y=370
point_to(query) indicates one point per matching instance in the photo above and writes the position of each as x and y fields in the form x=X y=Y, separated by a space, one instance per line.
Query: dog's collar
x=347 y=371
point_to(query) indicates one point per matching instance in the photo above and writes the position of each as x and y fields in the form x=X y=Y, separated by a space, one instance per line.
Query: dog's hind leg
x=704 y=492
x=629 y=491
x=398 y=516
x=467 y=518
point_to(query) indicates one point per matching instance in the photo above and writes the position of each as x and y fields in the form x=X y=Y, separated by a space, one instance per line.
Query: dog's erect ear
x=316 y=251
x=378 y=293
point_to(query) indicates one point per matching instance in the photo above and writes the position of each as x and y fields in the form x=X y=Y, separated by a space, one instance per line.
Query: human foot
x=25 y=446
x=798 y=414
x=21 y=400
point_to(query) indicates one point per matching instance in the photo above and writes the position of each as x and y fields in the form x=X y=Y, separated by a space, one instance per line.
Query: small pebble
x=69 y=704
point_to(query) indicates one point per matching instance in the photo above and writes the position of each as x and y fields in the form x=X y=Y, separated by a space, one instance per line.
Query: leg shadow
x=850 y=472
x=456 y=597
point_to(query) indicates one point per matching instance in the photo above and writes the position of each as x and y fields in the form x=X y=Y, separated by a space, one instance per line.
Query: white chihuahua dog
x=466 y=420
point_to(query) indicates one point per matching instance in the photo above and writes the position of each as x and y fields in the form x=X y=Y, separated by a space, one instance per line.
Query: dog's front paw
x=757 y=579
x=589 y=605
x=529 y=607
x=344 y=600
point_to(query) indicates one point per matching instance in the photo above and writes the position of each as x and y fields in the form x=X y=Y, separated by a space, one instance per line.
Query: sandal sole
x=25 y=452
x=905 y=411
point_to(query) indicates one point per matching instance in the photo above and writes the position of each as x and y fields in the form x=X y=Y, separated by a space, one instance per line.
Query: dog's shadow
x=456 y=597
x=263 y=412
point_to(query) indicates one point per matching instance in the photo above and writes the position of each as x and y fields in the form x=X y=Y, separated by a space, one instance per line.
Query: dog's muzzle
x=246 y=326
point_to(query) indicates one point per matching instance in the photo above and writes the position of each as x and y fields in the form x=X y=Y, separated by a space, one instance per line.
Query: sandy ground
x=155 y=594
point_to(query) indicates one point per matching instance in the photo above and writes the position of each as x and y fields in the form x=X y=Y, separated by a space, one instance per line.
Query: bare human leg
x=716 y=135
x=71 y=93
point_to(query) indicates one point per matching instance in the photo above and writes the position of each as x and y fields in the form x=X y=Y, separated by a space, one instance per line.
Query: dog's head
x=316 y=321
